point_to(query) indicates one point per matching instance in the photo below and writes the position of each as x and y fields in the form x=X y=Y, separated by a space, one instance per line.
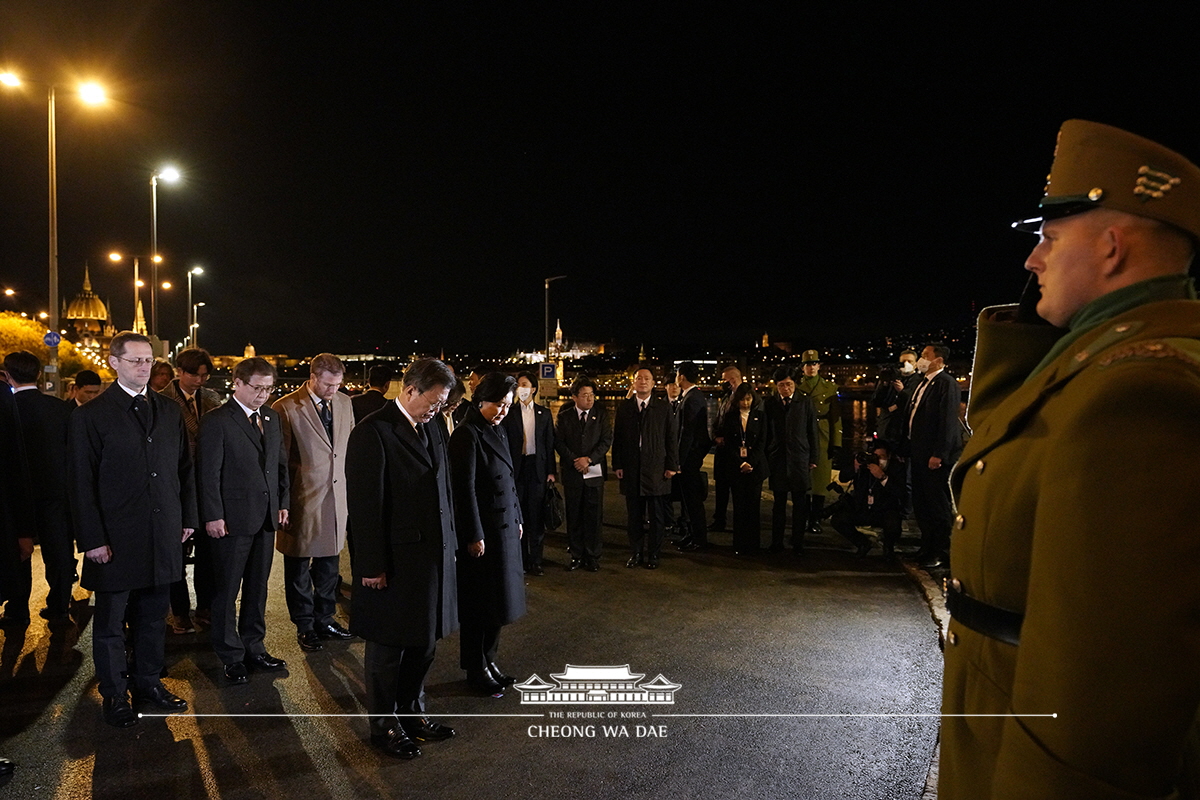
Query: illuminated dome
x=87 y=305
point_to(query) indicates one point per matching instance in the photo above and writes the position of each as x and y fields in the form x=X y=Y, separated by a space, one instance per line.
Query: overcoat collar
x=405 y=432
x=491 y=435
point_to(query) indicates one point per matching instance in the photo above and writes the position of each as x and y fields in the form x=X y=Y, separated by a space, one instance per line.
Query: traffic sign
x=546 y=371
x=52 y=338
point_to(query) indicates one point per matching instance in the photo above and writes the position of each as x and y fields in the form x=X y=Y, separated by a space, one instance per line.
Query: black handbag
x=555 y=509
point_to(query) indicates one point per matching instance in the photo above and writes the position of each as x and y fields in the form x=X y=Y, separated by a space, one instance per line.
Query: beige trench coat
x=318 y=471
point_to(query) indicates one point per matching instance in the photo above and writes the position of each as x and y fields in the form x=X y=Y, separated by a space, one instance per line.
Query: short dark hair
x=744 y=388
x=119 y=342
x=882 y=444
x=582 y=382
x=533 y=381
x=940 y=350
x=380 y=375
x=191 y=359
x=644 y=365
x=670 y=377
x=85 y=377
x=482 y=368
x=784 y=373
x=426 y=373
x=247 y=368
x=457 y=391
x=494 y=387
x=689 y=371
x=23 y=366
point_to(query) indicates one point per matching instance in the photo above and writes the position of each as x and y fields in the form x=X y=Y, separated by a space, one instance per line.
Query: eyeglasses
x=136 y=361
x=261 y=389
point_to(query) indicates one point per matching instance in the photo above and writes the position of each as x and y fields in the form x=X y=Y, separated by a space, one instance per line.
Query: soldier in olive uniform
x=1075 y=598
x=823 y=394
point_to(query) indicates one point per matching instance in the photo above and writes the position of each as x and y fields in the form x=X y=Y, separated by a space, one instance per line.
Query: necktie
x=141 y=410
x=583 y=417
x=786 y=400
x=327 y=418
x=196 y=406
x=256 y=421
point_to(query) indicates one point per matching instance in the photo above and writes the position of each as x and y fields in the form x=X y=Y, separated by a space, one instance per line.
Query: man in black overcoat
x=243 y=480
x=694 y=444
x=375 y=397
x=934 y=445
x=133 y=500
x=792 y=454
x=645 y=456
x=398 y=492
x=44 y=428
x=582 y=439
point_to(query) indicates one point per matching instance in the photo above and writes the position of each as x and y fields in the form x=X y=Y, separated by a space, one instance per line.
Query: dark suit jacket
x=400 y=506
x=492 y=586
x=573 y=440
x=16 y=502
x=209 y=401
x=793 y=444
x=644 y=465
x=131 y=489
x=543 y=433
x=368 y=402
x=694 y=441
x=935 y=430
x=754 y=437
x=44 y=427
x=239 y=478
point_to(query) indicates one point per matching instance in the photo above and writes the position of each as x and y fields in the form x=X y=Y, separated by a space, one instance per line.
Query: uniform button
x=149 y=438
x=156 y=511
x=951 y=638
x=153 y=474
x=960 y=522
x=979 y=465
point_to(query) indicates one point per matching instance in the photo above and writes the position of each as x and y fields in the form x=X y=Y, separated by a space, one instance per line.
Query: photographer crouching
x=876 y=498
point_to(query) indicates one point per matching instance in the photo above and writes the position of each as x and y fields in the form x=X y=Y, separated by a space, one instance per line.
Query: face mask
x=523 y=393
x=922 y=365
x=906 y=368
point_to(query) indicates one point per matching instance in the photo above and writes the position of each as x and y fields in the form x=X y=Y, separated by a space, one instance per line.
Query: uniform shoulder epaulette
x=1185 y=350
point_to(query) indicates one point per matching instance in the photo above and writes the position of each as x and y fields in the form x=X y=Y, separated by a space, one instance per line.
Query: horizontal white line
x=936 y=716
x=349 y=716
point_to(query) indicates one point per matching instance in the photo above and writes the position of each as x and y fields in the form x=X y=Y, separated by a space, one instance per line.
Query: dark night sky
x=358 y=177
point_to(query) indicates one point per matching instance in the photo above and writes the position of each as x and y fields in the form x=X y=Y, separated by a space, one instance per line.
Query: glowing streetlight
x=196 y=324
x=9 y=292
x=197 y=270
x=170 y=175
x=90 y=93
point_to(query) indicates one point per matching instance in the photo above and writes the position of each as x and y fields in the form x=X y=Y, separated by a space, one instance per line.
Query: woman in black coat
x=746 y=432
x=491 y=583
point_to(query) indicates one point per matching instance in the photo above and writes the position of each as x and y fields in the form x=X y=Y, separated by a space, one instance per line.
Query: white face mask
x=922 y=365
x=907 y=368
x=523 y=393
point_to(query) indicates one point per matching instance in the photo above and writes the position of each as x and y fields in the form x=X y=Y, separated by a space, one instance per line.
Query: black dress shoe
x=6 y=767
x=332 y=630
x=498 y=676
x=862 y=550
x=309 y=641
x=395 y=743
x=635 y=560
x=118 y=712
x=692 y=547
x=236 y=673
x=482 y=681
x=159 y=696
x=684 y=542
x=592 y=565
x=423 y=729
x=652 y=563
x=574 y=565
x=265 y=661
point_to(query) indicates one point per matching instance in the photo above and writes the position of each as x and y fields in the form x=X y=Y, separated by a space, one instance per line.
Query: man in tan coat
x=1073 y=654
x=317 y=420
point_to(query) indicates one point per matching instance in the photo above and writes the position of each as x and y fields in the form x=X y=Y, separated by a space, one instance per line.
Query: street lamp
x=196 y=324
x=90 y=93
x=170 y=175
x=548 y=282
x=138 y=283
x=197 y=270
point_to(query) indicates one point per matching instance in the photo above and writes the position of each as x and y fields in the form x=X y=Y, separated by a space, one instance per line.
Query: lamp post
x=196 y=324
x=170 y=175
x=92 y=94
x=547 y=328
x=191 y=315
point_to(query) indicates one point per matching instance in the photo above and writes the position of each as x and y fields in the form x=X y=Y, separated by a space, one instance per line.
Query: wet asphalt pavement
x=752 y=641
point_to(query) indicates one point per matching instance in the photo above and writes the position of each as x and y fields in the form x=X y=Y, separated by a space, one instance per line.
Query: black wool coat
x=492 y=586
x=794 y=442
x=131 y=489
x=400 y=507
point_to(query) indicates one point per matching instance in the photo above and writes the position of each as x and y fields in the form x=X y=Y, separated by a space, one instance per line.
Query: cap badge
x=1095 y=194
x=1152 y=183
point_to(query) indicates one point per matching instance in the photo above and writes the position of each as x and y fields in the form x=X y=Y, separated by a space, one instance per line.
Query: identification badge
x=744 y=452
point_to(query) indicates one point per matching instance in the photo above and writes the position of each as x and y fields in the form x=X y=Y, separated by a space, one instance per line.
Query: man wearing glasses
x=404 y=596
x=132 y=502
x=317 y=420
x=242 y=478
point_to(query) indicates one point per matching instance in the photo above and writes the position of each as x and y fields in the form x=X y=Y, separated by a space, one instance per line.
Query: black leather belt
x=997 y=623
